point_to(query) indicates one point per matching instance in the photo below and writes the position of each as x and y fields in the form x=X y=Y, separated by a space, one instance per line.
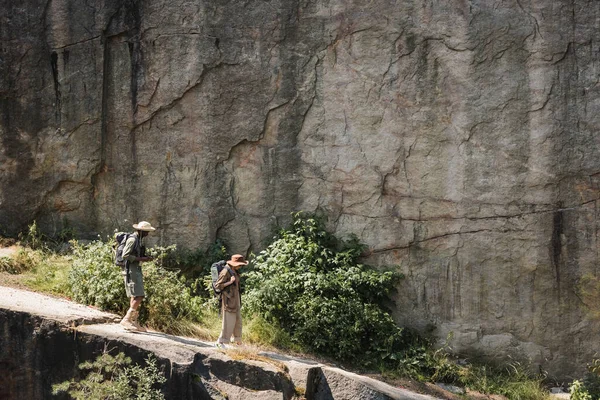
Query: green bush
x=422 y=362
x=588 y=388
x=114 y=378
x=94 y=279
x=310 y=284
x=169 y=304
x=578 y=391
x=34 y=238
x=195 y=266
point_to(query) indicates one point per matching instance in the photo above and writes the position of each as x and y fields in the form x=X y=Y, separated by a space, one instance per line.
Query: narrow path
x=8 y=251
x=339 y=384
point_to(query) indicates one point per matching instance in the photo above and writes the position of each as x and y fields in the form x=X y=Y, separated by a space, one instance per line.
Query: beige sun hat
x=237 y=260
x=144 y=226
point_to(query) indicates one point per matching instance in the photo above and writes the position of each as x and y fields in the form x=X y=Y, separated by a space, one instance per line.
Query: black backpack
x=215 y=270
x=121 y=238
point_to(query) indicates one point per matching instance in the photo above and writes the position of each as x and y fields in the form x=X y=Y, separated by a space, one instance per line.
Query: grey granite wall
x=458 y=139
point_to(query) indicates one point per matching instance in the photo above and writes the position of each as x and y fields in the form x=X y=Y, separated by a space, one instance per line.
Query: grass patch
x=23 y=260
x=513 y=381
x=39 y=270
x=259 y=331
x=246 y=353
x=50 y=275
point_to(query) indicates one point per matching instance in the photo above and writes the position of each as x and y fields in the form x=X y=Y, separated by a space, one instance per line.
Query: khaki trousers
x=232 y=325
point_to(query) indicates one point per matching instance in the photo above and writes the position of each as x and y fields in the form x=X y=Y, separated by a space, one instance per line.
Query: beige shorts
x=135 y=287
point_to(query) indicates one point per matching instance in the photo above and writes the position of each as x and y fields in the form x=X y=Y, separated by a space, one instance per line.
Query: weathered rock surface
x=43 y=339
x=457 y=139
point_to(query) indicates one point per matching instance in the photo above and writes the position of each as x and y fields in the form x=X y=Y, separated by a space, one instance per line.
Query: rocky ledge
x=43 y=339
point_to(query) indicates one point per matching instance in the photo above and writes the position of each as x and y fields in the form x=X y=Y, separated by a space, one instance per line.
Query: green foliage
x=578 y=391
x=195 y=266
x=513 y=381
x=94 y=279
x=259 y=330
x=422 y=362
x=67 y=233
x=311 y=285
x=34 y=238
x=169 y=304
x=590 y=384
x=115 y=378
x=49 y=273
x=197 y=261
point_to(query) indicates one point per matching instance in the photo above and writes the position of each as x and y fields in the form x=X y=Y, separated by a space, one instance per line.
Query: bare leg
x=135 y=302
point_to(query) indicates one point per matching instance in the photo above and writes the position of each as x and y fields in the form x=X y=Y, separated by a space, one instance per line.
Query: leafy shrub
x=114 y=378
x=422 y=362
x=195 y=266
x=95 y=280
x=34 y=238
x=590 y=384
x=310 y=284
x=169 y=304
x=578 y=391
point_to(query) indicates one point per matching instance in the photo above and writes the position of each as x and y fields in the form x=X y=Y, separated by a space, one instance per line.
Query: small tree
x=115 y=378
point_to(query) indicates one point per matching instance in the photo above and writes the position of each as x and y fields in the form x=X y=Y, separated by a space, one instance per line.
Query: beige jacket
x=230 y=295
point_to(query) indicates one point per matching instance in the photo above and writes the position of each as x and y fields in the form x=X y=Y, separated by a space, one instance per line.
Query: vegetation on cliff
x=311 y=285
x=305 y=292
x=115 y=378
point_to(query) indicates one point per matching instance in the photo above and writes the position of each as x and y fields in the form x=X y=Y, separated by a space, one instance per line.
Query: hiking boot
x=134 y=320
x=127 y=323
x=220 y=346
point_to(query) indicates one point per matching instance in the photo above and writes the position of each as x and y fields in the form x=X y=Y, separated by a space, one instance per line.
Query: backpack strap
x=138 y=244
x=136 y=249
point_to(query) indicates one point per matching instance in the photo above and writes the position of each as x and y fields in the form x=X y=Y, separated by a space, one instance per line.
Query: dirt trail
x=8 y=251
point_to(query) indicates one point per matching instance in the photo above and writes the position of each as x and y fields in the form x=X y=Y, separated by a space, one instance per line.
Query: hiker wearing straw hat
x=134 y=285
x=229 y=286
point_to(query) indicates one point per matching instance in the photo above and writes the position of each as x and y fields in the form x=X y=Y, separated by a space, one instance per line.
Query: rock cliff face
x=457 y=139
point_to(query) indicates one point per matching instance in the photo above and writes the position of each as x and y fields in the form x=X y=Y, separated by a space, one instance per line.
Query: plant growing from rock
x=113 y=377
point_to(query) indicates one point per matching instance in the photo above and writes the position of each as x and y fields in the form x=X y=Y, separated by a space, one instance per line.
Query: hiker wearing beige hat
x=134 y=254
x=228 y=285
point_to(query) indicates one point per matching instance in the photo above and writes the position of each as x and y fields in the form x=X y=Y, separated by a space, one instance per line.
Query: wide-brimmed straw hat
x=144 y=226
x=237 y=260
